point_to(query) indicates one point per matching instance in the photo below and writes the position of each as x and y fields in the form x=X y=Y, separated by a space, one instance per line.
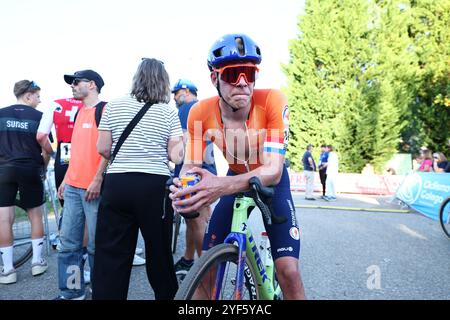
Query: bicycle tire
x=444 y=218
x=208 y=260
x=176 y=231
x=23 y=249
x=23 y=257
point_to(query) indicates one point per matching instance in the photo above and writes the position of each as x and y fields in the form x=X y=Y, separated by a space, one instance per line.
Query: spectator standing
x=81 y=187
x=309 y=167
x=427 y=161
x=323 y=167
x=332 y=174
x=134 y=187
x=22 y=169
x=440 y=162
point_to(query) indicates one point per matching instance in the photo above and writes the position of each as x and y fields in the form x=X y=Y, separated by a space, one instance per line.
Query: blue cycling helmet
x=233 y=48
x=184 y=84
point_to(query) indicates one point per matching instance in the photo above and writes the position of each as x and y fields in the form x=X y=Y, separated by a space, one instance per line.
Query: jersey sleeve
x=195 y=145
x=46 y=123
x=277 y=113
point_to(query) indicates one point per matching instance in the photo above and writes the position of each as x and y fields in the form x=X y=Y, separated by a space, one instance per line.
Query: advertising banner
x=352 y=183
x=425 y=192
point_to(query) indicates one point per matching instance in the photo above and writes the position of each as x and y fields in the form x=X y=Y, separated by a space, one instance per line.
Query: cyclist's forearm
x=268 y=174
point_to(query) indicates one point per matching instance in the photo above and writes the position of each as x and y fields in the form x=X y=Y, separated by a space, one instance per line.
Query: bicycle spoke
x=200 y=283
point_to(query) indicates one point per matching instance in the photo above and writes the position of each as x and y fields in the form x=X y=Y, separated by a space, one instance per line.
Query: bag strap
x=99 y=112
x=128 y=130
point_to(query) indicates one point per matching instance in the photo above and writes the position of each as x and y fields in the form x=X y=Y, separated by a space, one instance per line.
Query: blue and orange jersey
x=267 y=131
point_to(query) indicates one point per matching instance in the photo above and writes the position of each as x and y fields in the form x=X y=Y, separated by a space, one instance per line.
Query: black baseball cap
x=85 y=74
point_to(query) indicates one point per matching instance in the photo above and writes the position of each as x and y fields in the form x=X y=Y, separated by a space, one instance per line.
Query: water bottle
x=266 y=254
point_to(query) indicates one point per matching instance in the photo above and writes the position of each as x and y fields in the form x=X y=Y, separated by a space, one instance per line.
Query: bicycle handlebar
x=261 y=195
x=263 y=199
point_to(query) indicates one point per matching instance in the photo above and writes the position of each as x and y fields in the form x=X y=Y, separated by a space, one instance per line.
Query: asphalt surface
x=359 y=247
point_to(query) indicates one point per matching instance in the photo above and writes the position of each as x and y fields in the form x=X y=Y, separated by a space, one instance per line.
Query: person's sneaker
x=38 y=268
x=332 y=199
x=61 y=297
x=8 y=277
x=139 y=251
x=138 y=261
x=183 y=266
x=87 y=277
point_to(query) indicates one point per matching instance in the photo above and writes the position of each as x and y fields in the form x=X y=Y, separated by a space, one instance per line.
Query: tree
x=371 y=77
x=428 y=115
x=323 y=71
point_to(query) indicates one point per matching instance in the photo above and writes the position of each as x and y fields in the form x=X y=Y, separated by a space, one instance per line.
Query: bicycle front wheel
x=444 y=216
x=200 y=280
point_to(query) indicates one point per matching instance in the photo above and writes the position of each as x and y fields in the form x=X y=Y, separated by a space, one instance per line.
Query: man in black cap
x=81 y=186
x=85 y=76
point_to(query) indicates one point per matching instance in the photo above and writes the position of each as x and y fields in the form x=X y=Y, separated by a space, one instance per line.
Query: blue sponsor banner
x=425 y=192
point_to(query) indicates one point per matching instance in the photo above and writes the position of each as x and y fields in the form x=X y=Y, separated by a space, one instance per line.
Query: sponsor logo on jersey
x=294 y=233
x=289 y=249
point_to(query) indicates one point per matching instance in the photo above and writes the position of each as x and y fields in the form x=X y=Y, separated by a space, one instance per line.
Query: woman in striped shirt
x=134 y=186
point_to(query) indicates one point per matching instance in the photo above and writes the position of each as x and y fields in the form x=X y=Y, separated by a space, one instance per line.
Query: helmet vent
x=240 y=45
x=218 y=52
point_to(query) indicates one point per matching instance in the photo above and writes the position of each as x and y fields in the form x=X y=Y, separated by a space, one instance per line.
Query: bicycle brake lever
x=259 y=191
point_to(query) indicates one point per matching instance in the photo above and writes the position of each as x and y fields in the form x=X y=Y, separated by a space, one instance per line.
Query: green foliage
x=428 y=116
x=357 y=80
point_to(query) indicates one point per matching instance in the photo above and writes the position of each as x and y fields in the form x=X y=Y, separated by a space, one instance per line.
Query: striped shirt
x=145 y=149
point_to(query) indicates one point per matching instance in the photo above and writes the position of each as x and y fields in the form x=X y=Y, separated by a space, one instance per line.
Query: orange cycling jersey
x=266 y=131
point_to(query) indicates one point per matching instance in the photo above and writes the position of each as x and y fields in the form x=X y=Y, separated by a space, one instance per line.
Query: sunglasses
x=232 y=74
x=33 y=85
x=76 y=81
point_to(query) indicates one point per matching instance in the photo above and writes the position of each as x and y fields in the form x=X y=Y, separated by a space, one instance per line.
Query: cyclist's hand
x=61 y=191
x=93 y=191
x=208 y=190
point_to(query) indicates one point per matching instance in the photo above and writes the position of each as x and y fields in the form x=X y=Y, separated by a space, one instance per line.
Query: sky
x=42 y=40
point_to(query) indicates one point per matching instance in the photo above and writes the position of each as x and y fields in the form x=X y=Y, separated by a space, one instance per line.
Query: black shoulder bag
x=126 y=133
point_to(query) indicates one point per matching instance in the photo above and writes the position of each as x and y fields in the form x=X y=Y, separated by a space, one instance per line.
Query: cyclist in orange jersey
x=251 y=127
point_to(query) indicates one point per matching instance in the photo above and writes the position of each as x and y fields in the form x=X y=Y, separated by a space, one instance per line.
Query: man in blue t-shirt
x=185 y=96
x=309 y=167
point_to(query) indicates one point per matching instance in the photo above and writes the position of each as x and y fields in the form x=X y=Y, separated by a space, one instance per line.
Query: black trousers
x=323 y=179
x=133 y=201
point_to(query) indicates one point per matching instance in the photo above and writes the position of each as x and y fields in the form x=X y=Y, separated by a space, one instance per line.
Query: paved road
x=346 y=254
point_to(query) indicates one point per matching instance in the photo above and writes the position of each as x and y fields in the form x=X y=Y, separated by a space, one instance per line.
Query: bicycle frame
x=241 y=236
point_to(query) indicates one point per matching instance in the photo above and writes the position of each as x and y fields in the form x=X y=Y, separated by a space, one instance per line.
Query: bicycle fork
x=241 y=236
